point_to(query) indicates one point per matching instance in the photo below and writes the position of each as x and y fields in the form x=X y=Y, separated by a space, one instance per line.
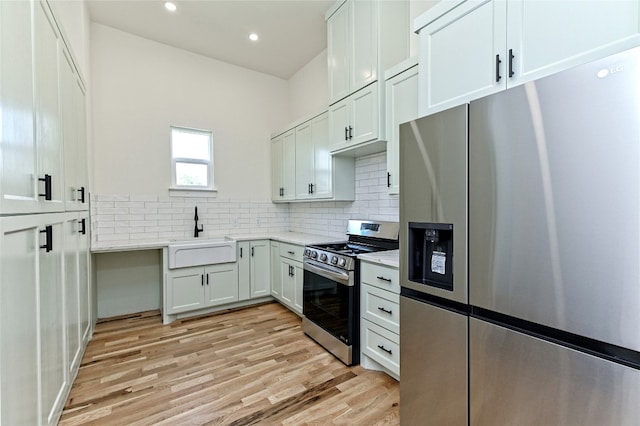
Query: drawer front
x=291 y=251
x=381 y=345
x=385 y=277
x=381 y=307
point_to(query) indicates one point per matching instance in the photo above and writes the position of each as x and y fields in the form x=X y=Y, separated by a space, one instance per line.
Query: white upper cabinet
x=402 y=106
x=356 y=120
x=283 y=157
x=317 y=175
x=472 y=48
x=364 y=37
x=41 y=103
x=72 y=104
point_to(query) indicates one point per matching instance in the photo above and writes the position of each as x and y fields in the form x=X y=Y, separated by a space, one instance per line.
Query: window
x=191 y=159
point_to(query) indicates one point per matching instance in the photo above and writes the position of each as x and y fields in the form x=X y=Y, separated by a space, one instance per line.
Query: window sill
x=192 y=192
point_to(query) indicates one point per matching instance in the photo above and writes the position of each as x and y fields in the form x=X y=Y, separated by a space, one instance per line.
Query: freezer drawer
x=433 y=380
x=523 y=380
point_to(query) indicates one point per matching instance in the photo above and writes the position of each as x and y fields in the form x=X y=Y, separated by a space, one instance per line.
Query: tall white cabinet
x=45 y=315
x=469 y=49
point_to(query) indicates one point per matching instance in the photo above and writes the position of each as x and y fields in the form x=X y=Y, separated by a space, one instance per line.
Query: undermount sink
x=198 y=252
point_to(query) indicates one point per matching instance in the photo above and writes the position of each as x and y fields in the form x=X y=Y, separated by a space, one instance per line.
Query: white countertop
x=287 y=237
x=388 y=257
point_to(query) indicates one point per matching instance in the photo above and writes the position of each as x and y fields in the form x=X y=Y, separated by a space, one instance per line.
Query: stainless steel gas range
x=331 y=290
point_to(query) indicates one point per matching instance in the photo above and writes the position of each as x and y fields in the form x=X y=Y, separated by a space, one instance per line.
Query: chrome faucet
x=197 y=230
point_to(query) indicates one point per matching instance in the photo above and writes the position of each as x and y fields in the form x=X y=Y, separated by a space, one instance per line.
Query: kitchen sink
x=196 y=252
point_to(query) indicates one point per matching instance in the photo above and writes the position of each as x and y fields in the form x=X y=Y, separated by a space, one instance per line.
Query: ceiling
x=292 y=32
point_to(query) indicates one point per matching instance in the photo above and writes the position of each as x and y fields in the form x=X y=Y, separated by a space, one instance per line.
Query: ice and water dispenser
x=431 y=254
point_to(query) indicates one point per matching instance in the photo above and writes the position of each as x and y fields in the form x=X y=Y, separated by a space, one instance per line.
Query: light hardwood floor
x=249 y=366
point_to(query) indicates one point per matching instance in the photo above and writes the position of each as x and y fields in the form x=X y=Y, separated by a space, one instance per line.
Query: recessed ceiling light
x=170 y=6
x=253 y=37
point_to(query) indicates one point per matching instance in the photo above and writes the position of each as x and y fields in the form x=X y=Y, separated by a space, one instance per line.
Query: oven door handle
x=340 y=277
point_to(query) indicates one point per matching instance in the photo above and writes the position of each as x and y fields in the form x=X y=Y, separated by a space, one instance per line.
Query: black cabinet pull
x=47 y=187
x=251 y=251
x=310 y=188
x=388 y=180
x=83 y=226
x=498 y=62
x=81 y=191
x=346 y=133
x=202 y=280
x=207 y=279
x=386 y=311
x=350 y=132
x=291 y=252
x=48 y=237
x=240 y=251
x=511 y=73
x=384 y=279
x=385 y=349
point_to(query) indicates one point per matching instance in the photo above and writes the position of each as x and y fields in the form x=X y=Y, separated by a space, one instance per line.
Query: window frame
x=175 y=160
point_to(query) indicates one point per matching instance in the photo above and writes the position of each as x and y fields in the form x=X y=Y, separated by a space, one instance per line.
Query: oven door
x=330 y=300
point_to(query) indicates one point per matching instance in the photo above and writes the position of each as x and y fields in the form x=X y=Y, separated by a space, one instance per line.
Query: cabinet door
x=364 y=45
x=322 y=161
x=185 y=290
x=221 y=284
x=298 y=276
x=48 y=129
x=289 y=165
x=81 y=169
x=288 y=282
x=54 y=374
x=72 y=293
x=19 y=242
x=83 y=277
x=18 y=157
x=338 y=51
x=304 y=161
x=364 y=115
x=276 y=279
x=401 y=106
x=277 y=186
x=260 y=268
x=69 y=134
x=550 y=36
x=244 y=269
x=339 y=116
x=457 y=55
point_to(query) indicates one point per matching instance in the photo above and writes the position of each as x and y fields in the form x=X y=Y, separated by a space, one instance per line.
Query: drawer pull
x=385 y=349
x=291 y=252
x=386 y=311
x=384 y=279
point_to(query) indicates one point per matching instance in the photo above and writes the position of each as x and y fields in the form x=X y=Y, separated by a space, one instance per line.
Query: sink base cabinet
x=189 y=289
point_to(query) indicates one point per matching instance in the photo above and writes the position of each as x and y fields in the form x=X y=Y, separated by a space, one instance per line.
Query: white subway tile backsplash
x=121 y=217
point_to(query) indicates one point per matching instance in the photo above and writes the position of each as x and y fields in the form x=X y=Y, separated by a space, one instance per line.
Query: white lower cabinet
x=195 y=288
x=276 y=282
x=380 y=318
x=40 y=302
x=254 y=264
x=291 y=276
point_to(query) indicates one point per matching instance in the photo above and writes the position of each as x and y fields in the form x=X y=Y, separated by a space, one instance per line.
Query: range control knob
x=314 y=254
x=342 y=262
x=334 y=260
x=323 y=257
x=306 y=252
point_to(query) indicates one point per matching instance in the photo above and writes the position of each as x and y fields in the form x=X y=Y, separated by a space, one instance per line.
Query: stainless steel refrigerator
x=520 y=254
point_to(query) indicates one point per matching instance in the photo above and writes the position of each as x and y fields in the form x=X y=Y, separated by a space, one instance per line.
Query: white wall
x=141 y=87
x=417 y=8
x=309 y=88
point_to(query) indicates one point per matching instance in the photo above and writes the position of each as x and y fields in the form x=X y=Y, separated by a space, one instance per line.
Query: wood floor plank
x=239 y=367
